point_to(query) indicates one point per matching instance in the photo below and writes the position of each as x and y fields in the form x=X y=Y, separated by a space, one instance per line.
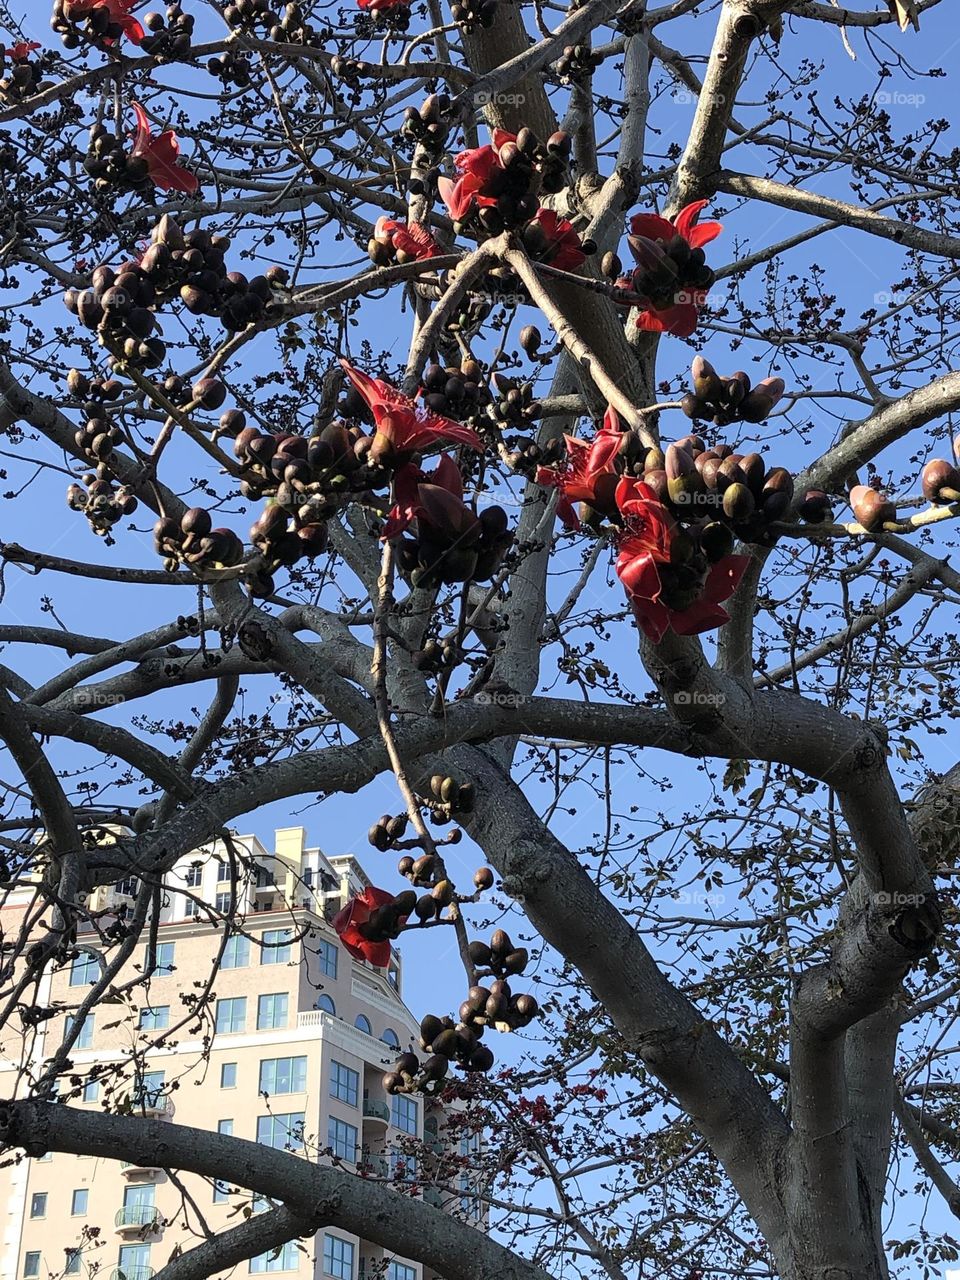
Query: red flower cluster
x=362 y=923
x=403 y=426
x=481 y=177
x=666 y=592
x=21 y=50
x=117 y=11
x=416 y=492
x=564 y=247
x=383 y=6
x=409 y=242
x=162 y=155
x=590 y=474
x=656 y=248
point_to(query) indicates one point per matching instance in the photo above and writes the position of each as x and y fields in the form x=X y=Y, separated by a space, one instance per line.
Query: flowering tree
x=264 y=273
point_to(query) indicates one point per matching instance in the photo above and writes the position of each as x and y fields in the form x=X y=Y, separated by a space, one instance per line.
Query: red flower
x=684 y=225
x=590 y=475
x=162 y=156
x=406 y=426
x=413 y=240
x=408 y=492
x=681 y=317
x=566 y=249
x=362 y=936
x=480 y=169
x=665 y=596
x=118 y=11
x=381 y=6
x=21 y=51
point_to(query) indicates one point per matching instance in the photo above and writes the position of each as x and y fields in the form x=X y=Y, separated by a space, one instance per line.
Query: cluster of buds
x=435 y=657
x=470 y=14
x=190 y=266
x=734 y=491
x=98 y=22
x=440 y=893
x=283 y=542
x=93 y=391
x=97 y=439
x=168 y=37
x=499 y=958
x=247 y=15
x=118 y=307
x=395 y=241
x=577 y=62
x=456 y=392
x=726 y=400
x=428 y=125
x=102 y=501
x=387 y=831
x=193 y=541
x=25 y=78
x=815 y=507
x=409 y=1075
x=451 y=544
x=293 y=28
x=515 y=405
x=306 y=477
x=113 y=167
x=232 y=68
x=499 y=184
x=451 y=797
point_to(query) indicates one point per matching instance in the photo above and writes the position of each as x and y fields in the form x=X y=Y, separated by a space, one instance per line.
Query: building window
x=391 y=1038
x=31 y=1264
x=225 y=1126
x=276 y=946
x=164 y=959
x=150 y=1092
x=221 y=1191
x=272 y=1011
x=228 y=1075
x=78 y=1202
x=91 y=1091
x=283 y=1075
x=283 y=1131
x=286 y=1258
x=342 y=1139
x=38 y=1204
x=223 y=872
x=85 y=1035
x=363 y=1024
x=403 y=1113
x=231 y=1015
x=157 y=1019
x=400 y=1271
x=134 y=1262
x=191 y=909
x=344 y=1083
x=73 y=1262
x=403 y=1167
x=236 y=954
x=222 y=903
x=194 y=875
x=327 y=1005
x=337 y=1258
x=85 y=970
x=327 y=955
x=127 y=888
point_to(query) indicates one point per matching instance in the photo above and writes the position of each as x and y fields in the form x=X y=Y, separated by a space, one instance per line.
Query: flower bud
x=872 y=509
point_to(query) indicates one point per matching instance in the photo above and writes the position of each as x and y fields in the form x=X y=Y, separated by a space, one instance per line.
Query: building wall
x=213 y=1077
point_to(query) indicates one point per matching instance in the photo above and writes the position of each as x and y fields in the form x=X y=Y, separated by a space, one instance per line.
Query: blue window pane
x=272 y=1011
x=337 y=1258
x=236 y=954
x=283 y=1131
x=326 y=1004
x=327 y=954
x=283 y=1075
x=231 y=1015
x=342 y=1139
x=276 y=946
x=403 y=1113
x=344 y=1083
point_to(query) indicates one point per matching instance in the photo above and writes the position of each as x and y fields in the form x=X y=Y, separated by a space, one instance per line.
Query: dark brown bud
x=872 y=509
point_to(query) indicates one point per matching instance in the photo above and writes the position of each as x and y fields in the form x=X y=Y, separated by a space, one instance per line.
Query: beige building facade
x=289 y=1052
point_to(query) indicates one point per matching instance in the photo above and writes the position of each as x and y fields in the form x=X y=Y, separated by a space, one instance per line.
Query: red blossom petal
x=652 y=226
x=680 y=320
x=162 y=155
x=696 y=236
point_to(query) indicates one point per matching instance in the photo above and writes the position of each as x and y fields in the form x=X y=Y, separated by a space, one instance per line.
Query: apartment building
x=290 y=1053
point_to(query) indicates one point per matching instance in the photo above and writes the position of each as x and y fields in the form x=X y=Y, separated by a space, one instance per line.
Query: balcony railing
x=154 y=1104
x=138 y=1216
x=376 y=1110
x=132 y=1273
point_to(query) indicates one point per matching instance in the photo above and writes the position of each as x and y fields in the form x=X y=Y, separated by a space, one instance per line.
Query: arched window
x=326 y=1004
x=391 y=1038
x=363 y=1023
